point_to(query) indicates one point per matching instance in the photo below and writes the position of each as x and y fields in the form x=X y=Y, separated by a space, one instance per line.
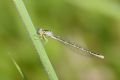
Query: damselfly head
x=42 y=32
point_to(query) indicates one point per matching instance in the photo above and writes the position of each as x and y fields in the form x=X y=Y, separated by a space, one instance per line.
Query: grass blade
x=19 y=69
x=37 y=43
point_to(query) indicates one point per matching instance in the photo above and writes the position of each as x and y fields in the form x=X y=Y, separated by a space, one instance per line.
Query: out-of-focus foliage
x=94 y=24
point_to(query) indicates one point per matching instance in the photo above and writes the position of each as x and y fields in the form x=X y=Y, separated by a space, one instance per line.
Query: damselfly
x=43 y=33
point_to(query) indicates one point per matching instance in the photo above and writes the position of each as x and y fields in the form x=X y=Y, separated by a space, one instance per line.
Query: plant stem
x=37 y=43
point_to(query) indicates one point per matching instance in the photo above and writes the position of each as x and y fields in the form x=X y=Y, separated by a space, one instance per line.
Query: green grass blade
x=19 y=69
x=37 y=43
x=106 y=7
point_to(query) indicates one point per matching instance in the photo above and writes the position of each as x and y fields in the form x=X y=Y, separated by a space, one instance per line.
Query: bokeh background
x=94 y=24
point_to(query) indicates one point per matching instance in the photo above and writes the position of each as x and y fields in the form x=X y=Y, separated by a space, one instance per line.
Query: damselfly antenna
x=42 y=33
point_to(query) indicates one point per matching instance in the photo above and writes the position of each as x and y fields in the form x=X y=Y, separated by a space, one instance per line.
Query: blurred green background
x=94 y=24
